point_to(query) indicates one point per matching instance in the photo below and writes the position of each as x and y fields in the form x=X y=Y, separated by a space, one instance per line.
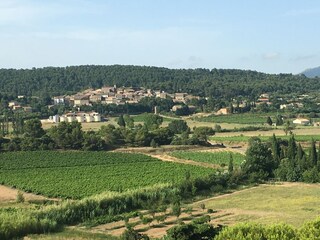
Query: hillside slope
x=204 y=82
x=312 y=72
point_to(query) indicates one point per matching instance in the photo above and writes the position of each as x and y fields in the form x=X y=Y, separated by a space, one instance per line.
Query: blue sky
x=273 y=36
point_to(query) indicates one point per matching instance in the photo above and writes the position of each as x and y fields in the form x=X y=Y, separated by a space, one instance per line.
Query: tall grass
x=19 y=222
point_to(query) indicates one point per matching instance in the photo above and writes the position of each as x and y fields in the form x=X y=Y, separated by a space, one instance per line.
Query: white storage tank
x=97 y=118
x=89 y=118
x=63 y=119
x=55 y=118
x=80 y=118
x=71 y=118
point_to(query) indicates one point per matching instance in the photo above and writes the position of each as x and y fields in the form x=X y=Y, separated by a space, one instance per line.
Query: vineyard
x=81 y=174
x=242 y=138
x=221 y=158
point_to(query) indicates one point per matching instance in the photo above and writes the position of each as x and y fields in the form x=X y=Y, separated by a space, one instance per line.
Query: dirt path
x=238 y=149
x=8 y=194
x=168 y=158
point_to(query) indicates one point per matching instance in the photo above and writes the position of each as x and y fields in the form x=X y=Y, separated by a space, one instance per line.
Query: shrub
x=20 y=198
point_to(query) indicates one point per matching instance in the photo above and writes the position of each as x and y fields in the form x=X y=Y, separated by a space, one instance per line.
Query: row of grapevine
x=221 y=158
x=83 y=174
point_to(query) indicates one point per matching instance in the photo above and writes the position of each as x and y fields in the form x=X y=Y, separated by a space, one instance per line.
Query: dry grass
x=292 y=203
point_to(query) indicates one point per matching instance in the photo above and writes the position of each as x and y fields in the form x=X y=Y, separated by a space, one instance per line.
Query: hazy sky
x=265 y=35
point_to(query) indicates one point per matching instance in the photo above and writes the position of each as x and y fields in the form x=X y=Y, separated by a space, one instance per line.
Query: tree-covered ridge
x=203 y=82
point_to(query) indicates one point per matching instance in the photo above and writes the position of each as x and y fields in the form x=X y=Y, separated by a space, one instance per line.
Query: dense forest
x=203 y=82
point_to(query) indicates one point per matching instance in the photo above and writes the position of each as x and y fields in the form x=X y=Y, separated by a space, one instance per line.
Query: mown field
x=220 y=158
x=76 y=175
x=292 y=203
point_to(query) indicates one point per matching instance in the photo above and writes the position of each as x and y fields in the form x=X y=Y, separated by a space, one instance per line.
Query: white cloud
x=271 y=56
x=304 y=57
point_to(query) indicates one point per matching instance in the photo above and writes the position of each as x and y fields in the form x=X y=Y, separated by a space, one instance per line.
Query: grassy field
x=72 y=234
x=82 y=174
x=292 y=203
x=245 y=118
x=220 y=158
x=141 y=118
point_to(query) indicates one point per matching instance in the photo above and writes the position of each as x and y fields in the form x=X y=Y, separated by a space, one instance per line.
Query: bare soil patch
x=165 y=157
x=8 y=194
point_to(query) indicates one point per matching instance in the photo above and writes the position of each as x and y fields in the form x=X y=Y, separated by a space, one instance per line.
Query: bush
x=20 y=198
x=254 y=231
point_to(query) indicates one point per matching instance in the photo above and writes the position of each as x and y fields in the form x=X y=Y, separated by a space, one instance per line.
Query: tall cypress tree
x=300 y=152
x=313 y=154
x=230 y=166
x=292 y=148
x=275 y=148
x=121 y=121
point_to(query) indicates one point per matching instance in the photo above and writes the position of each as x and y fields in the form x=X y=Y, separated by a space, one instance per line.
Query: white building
x=301 y=121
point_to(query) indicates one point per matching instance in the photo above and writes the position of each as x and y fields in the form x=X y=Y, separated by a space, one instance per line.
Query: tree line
x=31 y=135
x=216 y=83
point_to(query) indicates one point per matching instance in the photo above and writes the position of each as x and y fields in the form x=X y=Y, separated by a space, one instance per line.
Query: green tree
x=202 y=133
x=178 y=126
x=121 y=121
x=152 y=121
x=129 y=121
x=313 y=154
x=288 y=127
x=93 y=142
x=131 y=234
x=67 y=135
x=279 y=120
x=33 y=128
x=230 y=165
x=259 y=163
x=292 y=148
x=269 y=121
x=275 y=148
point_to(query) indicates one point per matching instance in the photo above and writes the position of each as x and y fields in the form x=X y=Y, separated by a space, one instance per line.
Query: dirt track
x=8 y=194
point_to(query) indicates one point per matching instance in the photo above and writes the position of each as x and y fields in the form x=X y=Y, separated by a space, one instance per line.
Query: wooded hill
x=312 y=72
x=203 y=82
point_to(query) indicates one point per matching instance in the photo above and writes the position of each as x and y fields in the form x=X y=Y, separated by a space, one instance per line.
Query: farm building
x=301 y=121
x=223 y=111
x=78 y=116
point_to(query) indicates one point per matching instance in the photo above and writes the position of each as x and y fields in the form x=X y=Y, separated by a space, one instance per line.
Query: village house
x=223 y=111
x=176 y=107
x=59 y=100
x=12 y=104
x=95 y=98
x=301 y=121
x=180 y=97
x=80 y=100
